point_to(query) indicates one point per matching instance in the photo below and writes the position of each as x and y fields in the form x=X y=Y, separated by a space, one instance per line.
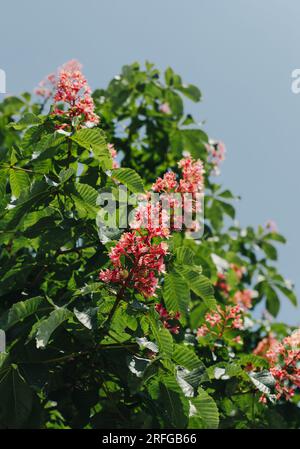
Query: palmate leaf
x=175 y=406
x=264 y=382
x=28 y=119
x=184 y=256
x=199 y=284
x=16 y=215
x=191 y=370
x=17 y=399
x=85 y=198
x=46 y=327
x=176 y=294
x=162 y=336
x=19 y=181
x=19 y=312
x=186 y=357
x=94 y=139
x=203 y=411
x=130 y=178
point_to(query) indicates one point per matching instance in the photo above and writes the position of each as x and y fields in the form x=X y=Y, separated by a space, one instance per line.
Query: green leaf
x=85 y=198
x=199 y=284
x=65 y=175
x=3 y=182
x=87 y=317
x=130 y=178
x=288 y=293
x=176 y=294
x=19 y=312
x=48 y=326
x=273 y=303
x=184 y=356
x=228 y=209
x=162 y=336
x=270 y=250
x=264 y=382
x=184 y=256
x=19 y=181
x=16 y=400
x=204 y=412
x=27 y=119
x=94 y=139
x=192 y=92
x=175 y=405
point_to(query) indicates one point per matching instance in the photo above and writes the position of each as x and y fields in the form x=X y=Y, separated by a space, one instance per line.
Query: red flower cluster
x=70 y=88
x=283 y=358
x=73 y=90
x=137 y=261
x=221 y=320
x=221 y=284
x=167 y=318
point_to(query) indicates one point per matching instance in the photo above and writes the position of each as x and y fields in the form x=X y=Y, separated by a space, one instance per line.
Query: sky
x=240 y=53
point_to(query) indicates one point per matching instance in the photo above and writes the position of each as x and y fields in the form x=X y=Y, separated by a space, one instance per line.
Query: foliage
x=86 y=354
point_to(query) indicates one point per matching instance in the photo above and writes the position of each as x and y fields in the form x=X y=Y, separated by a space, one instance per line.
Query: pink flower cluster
x=137 y=261
x=168 y=318
x=46 y=87
x=216 y=155
x=241 y=297
x=217 y=322
x=283 y=358
x=69 y=87
x=244 y=298
x=113 y=153
x=165 y=108
x=74 y=92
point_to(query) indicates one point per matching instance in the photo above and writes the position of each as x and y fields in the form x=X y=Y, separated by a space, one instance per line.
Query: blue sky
x=240 y=53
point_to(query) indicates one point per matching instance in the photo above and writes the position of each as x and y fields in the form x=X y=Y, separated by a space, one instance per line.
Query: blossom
x=165 y=108
x=239 y=271
x=74 y=92
x=192 y=175
x=113 y=153
x=137 y=258
x=271 y=226
x=137 y=261
x=167 y=318
x=244 y=298
x=165 y=184
x=221 y=320
x=216 y=155
x=283 y=358
x=221 y=284
x=46 y=87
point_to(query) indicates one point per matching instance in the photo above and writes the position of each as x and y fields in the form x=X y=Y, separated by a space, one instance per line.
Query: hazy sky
x=240 y=53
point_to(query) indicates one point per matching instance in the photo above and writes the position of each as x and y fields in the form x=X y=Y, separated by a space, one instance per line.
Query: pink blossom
x=73 y=91
x=216 y=155
x=244 y=298
x=113 y=154
x=271 y=226
x=165 y=108
x=140 y=259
